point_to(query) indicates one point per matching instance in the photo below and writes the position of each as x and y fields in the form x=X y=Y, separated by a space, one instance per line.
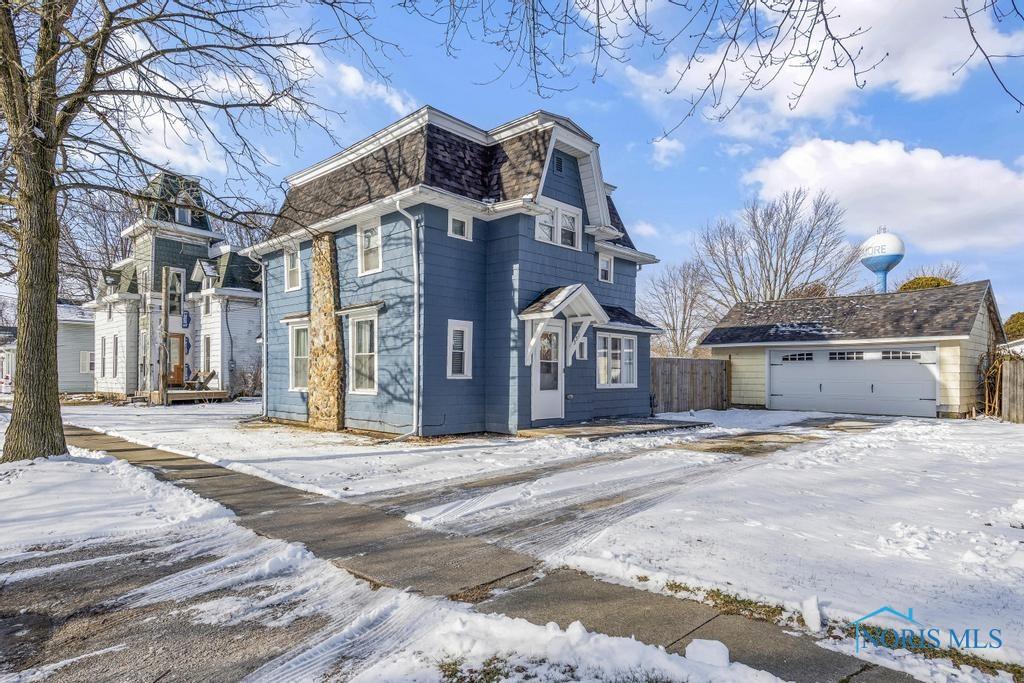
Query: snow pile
x=744 y=420
x=54 y=500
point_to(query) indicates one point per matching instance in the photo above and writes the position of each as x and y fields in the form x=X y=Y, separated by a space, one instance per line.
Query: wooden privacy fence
x=681 y=384
x=1012 y=382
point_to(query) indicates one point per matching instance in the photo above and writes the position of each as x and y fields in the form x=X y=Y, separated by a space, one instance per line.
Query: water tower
x=881 y=253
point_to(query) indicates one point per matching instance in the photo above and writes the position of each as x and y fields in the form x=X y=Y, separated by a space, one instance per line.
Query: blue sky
x=938 y=158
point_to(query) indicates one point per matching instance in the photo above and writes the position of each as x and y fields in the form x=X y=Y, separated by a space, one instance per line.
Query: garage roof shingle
x=939 y=312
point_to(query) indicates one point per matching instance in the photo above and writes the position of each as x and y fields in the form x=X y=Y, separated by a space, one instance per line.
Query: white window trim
x=452 y=217
x=181 y=291
x=114 y=351
x=103 y=356
x=558 y=208
x=352 y=320
x=179 y=212
x=291 y=356
x=298 y=267
x=611 y=268
x=467 y=327
x=582 y=351
x=85 y=363
x=359 y=249
x=597 y=360
x=208 y=349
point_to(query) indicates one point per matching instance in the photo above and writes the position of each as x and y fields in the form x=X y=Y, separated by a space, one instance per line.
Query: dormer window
x=562 y=226
x=183 y=209
x=207 y=282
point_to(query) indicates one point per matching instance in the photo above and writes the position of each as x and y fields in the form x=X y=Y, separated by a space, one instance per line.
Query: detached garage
x=902 y=353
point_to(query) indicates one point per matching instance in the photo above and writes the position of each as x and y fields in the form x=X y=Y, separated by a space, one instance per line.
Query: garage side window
x=846 y=355
x=901 y=355
x=798 y=357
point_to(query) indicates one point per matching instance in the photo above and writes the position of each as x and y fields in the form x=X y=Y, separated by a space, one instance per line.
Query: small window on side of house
x=206 y=305
x=103 y=356
x=460 y=349
x=183 y=215
x=800 y=357
x=85 y=362
x=605 y=267
x=582 y=350
x=174 y=292
x=206 y=353
x=369 y=248
x=298 y=358
x=110 y=311
x=363 y=342
x=292 y=270
x=460 y=227
x=113 y=371
x=546 y=227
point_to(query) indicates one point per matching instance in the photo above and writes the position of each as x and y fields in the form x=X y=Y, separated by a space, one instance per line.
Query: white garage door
x=872 y=381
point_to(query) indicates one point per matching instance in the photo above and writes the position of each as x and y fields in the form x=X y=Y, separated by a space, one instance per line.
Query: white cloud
x=644 y=229
x=918 y=44
x=940 y=203
x=353 y=84
x=666 y=152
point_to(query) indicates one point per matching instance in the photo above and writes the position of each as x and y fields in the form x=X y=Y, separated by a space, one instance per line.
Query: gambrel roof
x=926 y=313
x=506 y=163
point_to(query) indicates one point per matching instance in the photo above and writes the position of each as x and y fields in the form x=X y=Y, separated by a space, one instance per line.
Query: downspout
x=415 y=321
x=263 y=330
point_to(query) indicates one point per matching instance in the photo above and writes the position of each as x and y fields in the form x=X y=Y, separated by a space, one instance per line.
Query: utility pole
x=164 y=338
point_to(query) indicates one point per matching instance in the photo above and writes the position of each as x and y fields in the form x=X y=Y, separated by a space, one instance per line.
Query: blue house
x=438 y=278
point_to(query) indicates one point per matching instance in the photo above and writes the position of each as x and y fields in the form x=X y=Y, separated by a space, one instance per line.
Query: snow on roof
x=72 y=314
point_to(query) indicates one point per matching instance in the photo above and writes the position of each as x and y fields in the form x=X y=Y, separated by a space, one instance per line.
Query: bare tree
x=90 y=240
x=729 y=50
x=776 y=248
x=952 y=271
x=676 y=300
x=89 y=92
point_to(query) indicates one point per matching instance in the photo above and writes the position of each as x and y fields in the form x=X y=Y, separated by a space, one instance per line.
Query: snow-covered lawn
x=341 y=465
x=922 y=514
x=56 y=505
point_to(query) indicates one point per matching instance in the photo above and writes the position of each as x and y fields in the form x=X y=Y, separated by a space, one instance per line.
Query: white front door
x=897 y=380
x=548 y=382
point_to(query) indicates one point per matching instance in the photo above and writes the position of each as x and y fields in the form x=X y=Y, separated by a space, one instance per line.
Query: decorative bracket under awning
x=575 y=302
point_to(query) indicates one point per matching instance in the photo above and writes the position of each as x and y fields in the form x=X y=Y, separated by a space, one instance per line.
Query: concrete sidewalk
x=386 y=550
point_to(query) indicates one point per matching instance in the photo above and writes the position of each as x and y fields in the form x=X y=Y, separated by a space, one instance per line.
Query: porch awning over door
x=576 y=303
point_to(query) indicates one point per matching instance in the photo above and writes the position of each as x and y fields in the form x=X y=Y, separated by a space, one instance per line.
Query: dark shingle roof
x=237 y=271
x=618 y=314
x=939 y=312
x=613 y=213
x=430 y=156
x=165 y=189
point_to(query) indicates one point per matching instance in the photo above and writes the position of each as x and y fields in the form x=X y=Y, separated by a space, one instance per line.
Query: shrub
x=924 y=282
x=1014 y=326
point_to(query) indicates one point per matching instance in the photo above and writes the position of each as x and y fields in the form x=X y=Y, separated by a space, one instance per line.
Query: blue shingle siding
x=282 y=403
x=390 y=409
x=565 y=187
x=454 y=288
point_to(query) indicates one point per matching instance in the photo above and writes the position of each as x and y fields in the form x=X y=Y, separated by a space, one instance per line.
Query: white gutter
x=841 y=342
x=263 y=329
x=415 y=320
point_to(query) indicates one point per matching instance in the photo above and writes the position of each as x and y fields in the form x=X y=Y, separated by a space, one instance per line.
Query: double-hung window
x=86 y=362
x=292 y=271
x=363 y=342
x=460 y=349
x=460 y=227
x=298 y=357
x=605 y=267
x=113 y=367
x=368 y=238
x=562 y=225
x=206 y=305
x=175 y=291
x=616 y=360
x=103 y=356
x=206 y=353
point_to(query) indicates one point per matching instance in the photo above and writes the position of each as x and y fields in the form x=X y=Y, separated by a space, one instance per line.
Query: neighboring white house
x=74 y=351
x=1015 y=346
x=214 y=300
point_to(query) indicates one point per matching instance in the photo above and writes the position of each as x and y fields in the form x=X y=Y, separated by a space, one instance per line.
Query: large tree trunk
x=35 y=429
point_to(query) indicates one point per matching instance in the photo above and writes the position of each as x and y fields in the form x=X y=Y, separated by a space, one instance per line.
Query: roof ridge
x=869 y=294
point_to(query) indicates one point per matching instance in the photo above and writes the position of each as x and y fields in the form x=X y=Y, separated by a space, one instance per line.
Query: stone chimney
x=326 y=390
